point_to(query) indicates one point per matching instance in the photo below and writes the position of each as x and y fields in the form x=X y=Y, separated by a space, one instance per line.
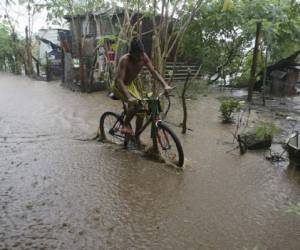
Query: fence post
x=47 y=68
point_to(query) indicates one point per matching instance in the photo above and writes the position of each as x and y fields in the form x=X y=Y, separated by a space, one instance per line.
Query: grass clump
x=265 y=131
x=227 y=108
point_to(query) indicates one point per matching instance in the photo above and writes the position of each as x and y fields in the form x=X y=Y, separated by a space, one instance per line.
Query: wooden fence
x=179 y=71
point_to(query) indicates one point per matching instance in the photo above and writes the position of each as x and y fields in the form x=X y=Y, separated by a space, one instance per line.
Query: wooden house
x=44 y=47
x=50 y=52
x=95 y=26
x=283 y=76
x=283 y=82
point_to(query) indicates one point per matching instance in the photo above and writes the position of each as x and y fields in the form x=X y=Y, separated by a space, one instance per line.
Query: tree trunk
x=254 y=62
x=78 y=47
x=265 y=77
x=48 y=72
x=63 y=66
x=29 y=68
x=92 y=70
x=81 y=57
x=184 y=107
x=38 y=69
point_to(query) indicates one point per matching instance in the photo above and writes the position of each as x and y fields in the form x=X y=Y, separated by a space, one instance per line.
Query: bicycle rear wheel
x=110 y=126
x=169 y=145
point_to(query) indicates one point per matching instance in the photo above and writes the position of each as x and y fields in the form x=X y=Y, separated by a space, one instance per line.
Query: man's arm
x=155 y=74
x=120 y=75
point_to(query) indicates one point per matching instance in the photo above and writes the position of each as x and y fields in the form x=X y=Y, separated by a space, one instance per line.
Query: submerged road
x=60 y=190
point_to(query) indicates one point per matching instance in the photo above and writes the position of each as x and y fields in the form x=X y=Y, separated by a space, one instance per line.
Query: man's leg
x=131 y=112
x=138 y=125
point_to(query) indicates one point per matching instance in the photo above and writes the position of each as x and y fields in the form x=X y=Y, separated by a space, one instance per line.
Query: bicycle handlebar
x=159 y=95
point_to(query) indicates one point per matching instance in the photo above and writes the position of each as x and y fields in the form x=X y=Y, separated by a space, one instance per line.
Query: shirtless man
x=125 y=87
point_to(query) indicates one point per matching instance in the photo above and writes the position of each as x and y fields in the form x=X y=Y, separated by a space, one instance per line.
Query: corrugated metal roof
x=278 y=74
x=105 y=12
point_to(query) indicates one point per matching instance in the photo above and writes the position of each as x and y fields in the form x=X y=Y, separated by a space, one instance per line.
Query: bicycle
x=167 y=142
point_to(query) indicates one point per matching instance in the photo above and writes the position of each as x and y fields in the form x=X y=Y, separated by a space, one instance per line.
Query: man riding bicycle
x=125 y=86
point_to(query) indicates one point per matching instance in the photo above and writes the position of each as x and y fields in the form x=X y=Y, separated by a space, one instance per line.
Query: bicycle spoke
x=166 y=147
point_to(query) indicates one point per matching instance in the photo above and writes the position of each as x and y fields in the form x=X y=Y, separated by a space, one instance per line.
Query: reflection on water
x=59 y=190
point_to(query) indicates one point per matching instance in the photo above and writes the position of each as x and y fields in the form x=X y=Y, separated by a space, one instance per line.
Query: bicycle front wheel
x=169 y=145
x=110 y=126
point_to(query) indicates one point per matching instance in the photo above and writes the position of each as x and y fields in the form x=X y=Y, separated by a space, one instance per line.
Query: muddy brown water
x=59 y=190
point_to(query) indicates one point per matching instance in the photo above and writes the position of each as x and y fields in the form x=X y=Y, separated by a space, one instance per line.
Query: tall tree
x=10 y=45
x=254 y=62
x=221 y=35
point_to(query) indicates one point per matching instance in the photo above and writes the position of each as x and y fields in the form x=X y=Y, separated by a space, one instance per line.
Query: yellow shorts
x=131 y=88
x=133 y=91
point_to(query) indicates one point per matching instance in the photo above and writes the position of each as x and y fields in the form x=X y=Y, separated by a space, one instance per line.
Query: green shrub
x=227 y=108
x=265 y=131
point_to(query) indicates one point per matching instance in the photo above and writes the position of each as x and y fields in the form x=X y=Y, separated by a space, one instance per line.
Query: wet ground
x=60 y=190
x=283 y=112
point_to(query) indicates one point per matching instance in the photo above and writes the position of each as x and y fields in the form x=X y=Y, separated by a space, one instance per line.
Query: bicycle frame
x=147 y=123
x=154 y=106
x=164 y=139
x=153 y=116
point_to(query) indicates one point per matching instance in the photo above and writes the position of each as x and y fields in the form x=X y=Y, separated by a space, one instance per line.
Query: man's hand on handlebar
x=168 y=89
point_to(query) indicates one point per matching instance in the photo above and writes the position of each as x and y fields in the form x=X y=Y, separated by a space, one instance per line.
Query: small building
x=106 y=23
x=283 y=76
x=51 y=35
x=92 y=27
x=283 y=82
x=97 y=61
x=50 y=52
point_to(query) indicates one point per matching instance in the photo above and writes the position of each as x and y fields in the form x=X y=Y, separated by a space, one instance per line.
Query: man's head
x=136 y=49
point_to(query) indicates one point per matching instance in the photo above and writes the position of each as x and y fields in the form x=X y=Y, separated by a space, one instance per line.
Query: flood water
x=61 y=190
